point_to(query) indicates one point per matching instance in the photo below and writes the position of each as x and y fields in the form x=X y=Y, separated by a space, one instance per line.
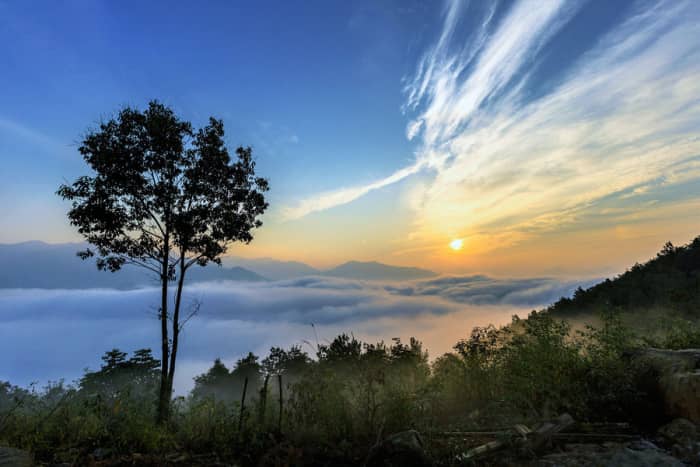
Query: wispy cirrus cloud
x=513 y=156
x=16 y=129
x=623 y=116
x=346 y=195
x=438 y=80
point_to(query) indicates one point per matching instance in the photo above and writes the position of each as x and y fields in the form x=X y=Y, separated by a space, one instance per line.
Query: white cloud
x=624 y=115
x=52 y=334
x=345 y=195
x=621 y=118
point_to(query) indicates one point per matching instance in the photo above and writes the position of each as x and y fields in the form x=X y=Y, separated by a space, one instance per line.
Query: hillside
x=671 y=281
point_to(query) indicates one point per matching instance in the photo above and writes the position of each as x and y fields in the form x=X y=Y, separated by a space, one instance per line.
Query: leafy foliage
x=157 y=180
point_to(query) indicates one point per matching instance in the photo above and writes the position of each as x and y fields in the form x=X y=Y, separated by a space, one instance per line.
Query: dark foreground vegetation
x=331 y=405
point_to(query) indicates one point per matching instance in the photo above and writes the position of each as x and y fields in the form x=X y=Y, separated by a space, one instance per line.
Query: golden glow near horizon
x=583 y=177
x=457 y=244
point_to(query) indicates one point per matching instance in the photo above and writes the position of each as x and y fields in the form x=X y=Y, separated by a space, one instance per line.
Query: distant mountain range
x=370 y=270
x=55 y=266
x=272 y=268
x=377 y=271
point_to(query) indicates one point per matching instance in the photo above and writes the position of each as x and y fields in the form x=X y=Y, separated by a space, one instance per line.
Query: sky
x=551 y=137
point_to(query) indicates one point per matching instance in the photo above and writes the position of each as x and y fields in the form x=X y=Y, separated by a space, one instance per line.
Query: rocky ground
x=675 y=444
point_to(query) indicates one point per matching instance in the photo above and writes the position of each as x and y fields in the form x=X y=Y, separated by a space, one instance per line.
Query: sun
x=456 y=244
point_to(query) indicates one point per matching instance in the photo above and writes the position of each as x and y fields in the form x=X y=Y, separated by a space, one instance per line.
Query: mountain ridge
x=38 y=264
x=374 y=270
x=42 y=265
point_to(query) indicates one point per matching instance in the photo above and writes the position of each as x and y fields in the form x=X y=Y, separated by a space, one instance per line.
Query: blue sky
x=387 y=128
x=313 y=86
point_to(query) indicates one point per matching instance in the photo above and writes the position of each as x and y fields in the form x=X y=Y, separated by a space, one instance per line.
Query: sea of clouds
x=54 y=334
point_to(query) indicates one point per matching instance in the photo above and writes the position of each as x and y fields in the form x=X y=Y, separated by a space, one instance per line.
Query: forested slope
x=670 y=281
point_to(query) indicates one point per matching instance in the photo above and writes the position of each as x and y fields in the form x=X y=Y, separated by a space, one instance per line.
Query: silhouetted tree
x=214 y=383
x=248 y=368
x=281 y=361
x=140 y=374
x=163 y=197
x=343 y=348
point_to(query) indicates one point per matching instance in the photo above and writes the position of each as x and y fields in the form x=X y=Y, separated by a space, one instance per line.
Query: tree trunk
x=164 y=395
x=263 y=400
x=240 y=416
x=279 y=425
x=176 y=323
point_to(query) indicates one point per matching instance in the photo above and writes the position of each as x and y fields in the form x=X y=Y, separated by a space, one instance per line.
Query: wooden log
x=530 y=440
x=485 y=449
x=539 y=438
x=522 y=430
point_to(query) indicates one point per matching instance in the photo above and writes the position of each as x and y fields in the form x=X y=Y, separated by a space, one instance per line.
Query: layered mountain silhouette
x=273 y=269
x=368 y=270
x=56 y=266
x=42 y=265
x=377 y=271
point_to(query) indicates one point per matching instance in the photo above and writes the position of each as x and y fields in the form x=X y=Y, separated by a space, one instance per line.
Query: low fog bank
x=52 y=334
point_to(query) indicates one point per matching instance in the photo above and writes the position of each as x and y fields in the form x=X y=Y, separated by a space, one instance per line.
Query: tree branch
x=193 y=260
x=142 y=264
x=194 y=310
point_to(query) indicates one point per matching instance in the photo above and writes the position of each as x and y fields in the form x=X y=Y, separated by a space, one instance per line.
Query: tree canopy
x=157 y=179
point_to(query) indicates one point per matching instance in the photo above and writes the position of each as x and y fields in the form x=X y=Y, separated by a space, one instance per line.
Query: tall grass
x=337 y=403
